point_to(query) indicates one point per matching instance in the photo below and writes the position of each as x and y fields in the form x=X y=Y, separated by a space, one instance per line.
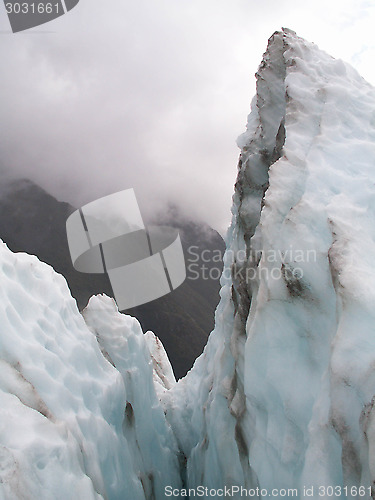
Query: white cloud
x=152 y=95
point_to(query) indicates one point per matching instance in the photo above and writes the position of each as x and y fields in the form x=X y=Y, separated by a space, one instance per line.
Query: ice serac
x=154 y=448
x=283 y=395
x=79 y=416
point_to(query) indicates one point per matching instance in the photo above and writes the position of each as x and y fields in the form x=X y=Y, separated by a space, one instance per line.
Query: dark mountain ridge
x=33 y=221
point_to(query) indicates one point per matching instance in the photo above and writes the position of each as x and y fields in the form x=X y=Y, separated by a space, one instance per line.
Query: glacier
x=283 y=396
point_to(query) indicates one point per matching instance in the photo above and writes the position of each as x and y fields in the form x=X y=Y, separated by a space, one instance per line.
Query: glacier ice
x=284 y=394
x=73 y=424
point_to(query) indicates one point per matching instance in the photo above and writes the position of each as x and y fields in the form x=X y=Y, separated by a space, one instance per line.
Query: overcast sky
x=152 y=94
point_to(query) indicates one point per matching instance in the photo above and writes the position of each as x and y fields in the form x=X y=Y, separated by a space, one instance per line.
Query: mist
x=152 y=95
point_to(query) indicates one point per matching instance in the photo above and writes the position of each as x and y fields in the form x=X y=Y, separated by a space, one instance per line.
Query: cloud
x=151 y=95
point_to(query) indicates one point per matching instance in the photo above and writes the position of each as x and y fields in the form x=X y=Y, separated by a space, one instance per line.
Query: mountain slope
x=33 y=221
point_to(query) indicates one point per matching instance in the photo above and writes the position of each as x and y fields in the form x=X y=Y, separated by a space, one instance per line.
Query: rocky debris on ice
x=283 y=395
